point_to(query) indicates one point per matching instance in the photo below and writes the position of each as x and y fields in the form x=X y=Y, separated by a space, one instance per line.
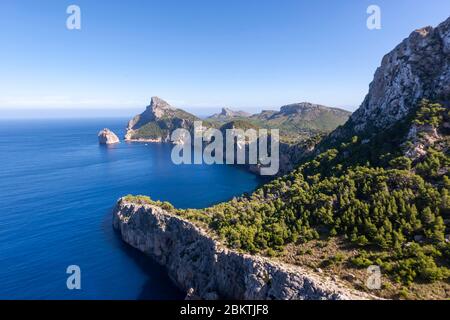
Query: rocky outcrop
x=204 y=268
x=106 y=136
x=227 y=114
x=157 y=122
x=154 y=111
x=417 y=68
x=420 y=138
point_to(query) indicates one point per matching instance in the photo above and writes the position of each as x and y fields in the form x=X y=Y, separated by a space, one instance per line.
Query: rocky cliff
x=106 y=136
x=203 y=267
x=158 y=121
x=418 y=68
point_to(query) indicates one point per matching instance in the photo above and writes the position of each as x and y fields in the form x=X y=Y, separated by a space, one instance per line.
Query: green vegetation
x=162 y=127
x=147 y=200
x=389 y=206
x=239 y=124
x=151 y=130
x=429 y=114
x=296 y=124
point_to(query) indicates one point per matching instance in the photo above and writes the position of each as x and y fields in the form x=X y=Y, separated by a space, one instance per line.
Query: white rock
x=106 y=136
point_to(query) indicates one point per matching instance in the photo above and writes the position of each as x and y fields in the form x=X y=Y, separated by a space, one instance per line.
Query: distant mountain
x=300 y=117
x=228 y=114
x=158 y=121
x=296 y=122
x=239 y=124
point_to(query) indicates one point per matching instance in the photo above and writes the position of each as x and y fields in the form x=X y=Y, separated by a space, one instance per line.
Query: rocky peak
x=157 y=122
x=417 y=68
x=226 y=112
x=157 y=109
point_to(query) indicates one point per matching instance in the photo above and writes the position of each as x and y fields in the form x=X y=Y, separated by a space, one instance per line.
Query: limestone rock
x=157 y=108
x=417 y=68
x=157 y=122
x=203 y=268
x=106 y=136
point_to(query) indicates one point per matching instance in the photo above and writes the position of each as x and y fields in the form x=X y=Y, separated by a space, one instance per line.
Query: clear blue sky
x=199 y=54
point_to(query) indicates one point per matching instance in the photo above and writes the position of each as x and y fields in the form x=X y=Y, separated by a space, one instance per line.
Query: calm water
x=57 y=189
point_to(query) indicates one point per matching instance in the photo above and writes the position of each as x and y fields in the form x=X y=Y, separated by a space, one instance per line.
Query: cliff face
x=106 y=136
x=417 y=68
x=154 y=111
x=157 y=122
x=200 y=265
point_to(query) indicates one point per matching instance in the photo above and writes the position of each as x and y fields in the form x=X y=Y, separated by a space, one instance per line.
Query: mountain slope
x=375 y=192
x=158 y=121
x=418 y=68
x=296 y=122
x=300 y=117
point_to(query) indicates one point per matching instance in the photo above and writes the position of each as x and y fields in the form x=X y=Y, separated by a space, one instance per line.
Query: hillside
x=158 y=121
x=375 y=192
x=296 y=122
x=302 y=119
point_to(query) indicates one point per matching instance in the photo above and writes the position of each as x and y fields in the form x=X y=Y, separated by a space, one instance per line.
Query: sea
x=58 y=187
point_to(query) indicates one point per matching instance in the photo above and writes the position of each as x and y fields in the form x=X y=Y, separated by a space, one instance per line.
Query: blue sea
x=57 y=189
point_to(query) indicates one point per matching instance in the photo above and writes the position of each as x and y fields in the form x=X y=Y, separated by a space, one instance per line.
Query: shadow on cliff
x=158 y=286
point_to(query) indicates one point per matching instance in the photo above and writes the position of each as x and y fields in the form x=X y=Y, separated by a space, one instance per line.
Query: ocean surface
x=57 y=190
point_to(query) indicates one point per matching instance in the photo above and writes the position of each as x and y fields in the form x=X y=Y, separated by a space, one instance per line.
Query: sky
x=200 y=55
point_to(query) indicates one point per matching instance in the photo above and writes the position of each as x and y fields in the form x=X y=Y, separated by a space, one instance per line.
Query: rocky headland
x=158 y=121
x=204 y=268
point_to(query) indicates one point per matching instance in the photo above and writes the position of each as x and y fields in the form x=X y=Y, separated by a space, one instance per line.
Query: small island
x=107 y=137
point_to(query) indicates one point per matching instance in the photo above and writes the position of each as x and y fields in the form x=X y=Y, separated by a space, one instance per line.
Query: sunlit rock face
x=106 y=136
x=204 y=268
x=417 y=68
x=158 y=121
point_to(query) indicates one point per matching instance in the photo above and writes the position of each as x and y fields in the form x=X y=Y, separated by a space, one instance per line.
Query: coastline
x=145 y=140
x=204 y=268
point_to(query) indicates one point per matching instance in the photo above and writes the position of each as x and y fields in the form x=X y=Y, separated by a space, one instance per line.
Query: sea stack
x=107 y=137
